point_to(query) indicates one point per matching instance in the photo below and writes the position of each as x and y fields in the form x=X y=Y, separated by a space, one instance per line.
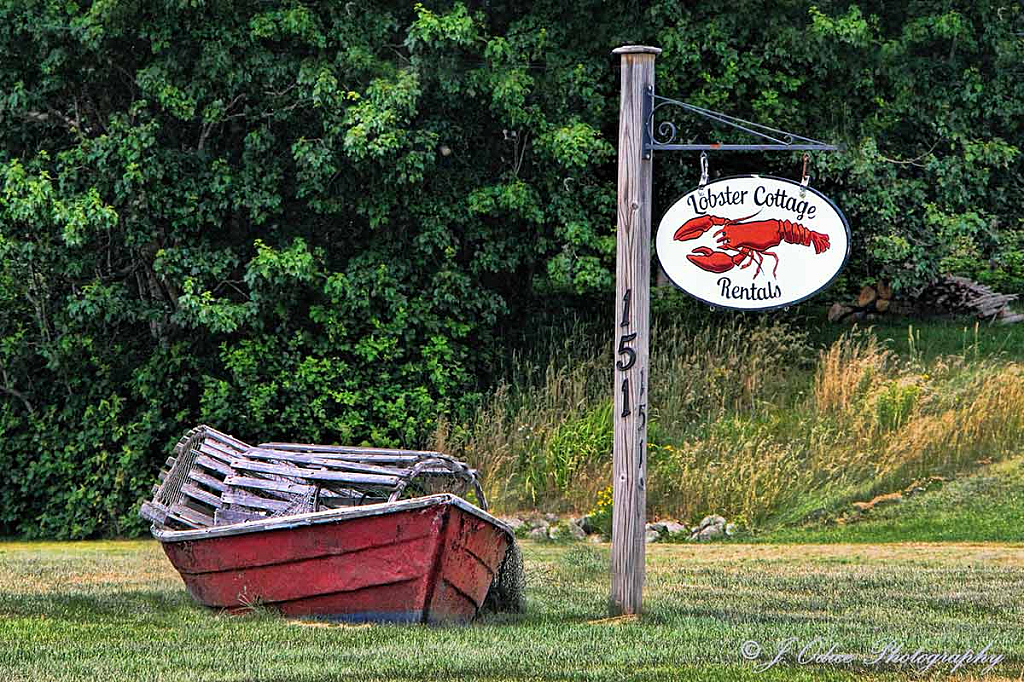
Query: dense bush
x=317 y=220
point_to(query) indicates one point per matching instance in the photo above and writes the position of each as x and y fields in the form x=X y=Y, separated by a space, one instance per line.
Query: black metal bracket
x=664 y=140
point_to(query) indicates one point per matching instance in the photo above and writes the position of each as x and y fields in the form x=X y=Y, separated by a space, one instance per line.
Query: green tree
x=322 y=220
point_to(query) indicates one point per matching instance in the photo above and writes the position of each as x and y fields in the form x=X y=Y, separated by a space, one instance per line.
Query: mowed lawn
x=117 y=611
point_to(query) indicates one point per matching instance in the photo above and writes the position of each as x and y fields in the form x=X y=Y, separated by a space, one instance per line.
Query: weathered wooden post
x=632 y=304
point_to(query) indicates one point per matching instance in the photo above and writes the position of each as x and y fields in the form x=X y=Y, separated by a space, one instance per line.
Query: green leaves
x=323 y=220
x=297 y=22
x=576 y=145
x=376 y=124
x=156 y=83
x=280 y=267
x=432 y=31
x=32 y=203
x=852 y=28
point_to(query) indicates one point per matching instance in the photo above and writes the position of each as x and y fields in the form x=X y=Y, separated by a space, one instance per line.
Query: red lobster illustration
x=749 y=241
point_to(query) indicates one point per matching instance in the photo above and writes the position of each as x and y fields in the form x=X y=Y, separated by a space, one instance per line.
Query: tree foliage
x=319 y=220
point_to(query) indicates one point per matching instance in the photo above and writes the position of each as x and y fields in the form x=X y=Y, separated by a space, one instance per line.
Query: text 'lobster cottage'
x=753 y=242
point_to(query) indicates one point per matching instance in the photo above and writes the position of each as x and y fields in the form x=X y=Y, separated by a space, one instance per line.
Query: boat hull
x=429 y=560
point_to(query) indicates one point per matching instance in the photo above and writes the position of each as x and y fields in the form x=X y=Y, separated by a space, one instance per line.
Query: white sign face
x=753 y=242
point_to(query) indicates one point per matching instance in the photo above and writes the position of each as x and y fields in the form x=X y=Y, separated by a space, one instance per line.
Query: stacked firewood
x=873 y=300
x=215 y=479
x=959 y=295
x=948 y=295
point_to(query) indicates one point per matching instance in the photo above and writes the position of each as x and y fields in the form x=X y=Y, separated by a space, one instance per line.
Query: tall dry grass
x=747 y=421
x=544 y=437
x=509 y=440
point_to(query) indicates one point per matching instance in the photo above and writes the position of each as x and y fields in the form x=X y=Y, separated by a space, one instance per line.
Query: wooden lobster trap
x=215 y=479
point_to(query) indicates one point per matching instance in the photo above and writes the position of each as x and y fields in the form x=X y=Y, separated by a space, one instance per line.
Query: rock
x=675 y=528
x=651 y=536
x=513 y=522
x=714 y=520
x=564 y=532
x=595 y=539
x=658 y=528
x=710 y=533
x=586 y=523
x=539 y=523
x=710 y=527
x=551 y=518
x=538 y=533
x=730 y=529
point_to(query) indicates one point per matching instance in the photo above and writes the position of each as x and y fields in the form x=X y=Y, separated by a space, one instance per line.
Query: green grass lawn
x=117 y=611
x=984 y=506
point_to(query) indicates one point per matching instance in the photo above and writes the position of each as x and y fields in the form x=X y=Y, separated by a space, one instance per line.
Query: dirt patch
x=880 y=501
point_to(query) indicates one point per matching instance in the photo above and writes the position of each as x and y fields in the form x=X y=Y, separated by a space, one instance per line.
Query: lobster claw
x=694 y=227
x=713 y=261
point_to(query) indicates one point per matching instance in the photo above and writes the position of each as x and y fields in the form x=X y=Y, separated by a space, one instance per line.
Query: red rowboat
x=423 y=560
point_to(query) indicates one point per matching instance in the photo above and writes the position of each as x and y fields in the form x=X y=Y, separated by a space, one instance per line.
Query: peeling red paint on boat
x=429 y=562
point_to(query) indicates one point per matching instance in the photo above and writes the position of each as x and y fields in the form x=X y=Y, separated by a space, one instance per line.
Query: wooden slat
x=236 y=515
x=275 y=494
x=341 y=464
x=214 y=465
x=216 y=453
x=226 y=439
x=292 y=489
x=307 y=474
x=218 y=466
x=154 y=512
x=346 y=450
x=189 y=516
x=246 y=500
x=381 y=460
x=201 y=495
x=339 y=502
x=208 y=481
x=226 y=450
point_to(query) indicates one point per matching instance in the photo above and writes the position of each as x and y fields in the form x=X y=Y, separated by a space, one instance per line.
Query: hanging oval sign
x=753 y=242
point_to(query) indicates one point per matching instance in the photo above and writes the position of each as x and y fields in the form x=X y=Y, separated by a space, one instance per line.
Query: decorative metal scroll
x=664 y=137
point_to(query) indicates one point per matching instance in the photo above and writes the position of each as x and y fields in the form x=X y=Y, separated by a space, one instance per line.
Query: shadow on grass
x=78 y=607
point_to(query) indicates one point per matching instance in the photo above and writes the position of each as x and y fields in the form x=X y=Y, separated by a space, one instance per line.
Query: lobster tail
x=795 y=233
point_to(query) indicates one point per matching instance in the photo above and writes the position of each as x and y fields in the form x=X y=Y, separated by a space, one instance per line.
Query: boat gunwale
x=327 y=516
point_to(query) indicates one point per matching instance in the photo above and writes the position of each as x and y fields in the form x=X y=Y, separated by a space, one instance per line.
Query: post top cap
x=636 y=49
